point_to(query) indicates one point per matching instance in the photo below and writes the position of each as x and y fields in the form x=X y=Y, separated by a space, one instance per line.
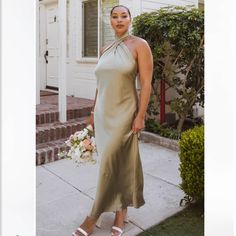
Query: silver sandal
x=98 y=224
x=117 y=229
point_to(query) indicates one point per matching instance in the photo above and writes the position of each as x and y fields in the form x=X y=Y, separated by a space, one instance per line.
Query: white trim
x=79 y=34
x=37 y=55
x=87 y=60
x=48 y=1
x=99 y=26
x=42 y=43
x=71 y=25
x=62 y=38
x=78 y=30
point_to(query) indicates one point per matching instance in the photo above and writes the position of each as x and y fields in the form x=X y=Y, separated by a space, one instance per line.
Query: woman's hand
x=138 y=124
x=90 y=120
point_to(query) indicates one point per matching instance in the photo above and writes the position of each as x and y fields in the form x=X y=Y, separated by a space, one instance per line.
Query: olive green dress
x=120 y=181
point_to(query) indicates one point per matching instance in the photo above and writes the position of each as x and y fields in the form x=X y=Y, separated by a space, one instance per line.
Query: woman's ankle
x=88 y=224
x=120 y=217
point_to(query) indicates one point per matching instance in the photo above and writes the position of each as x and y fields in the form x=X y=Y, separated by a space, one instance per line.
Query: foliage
x=155 y=127
x=191 y=168
x=176 y=37
x=189 y=221
x=152 y=109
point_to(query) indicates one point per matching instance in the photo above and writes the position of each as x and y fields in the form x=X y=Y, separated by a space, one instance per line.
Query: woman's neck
x=122 y=35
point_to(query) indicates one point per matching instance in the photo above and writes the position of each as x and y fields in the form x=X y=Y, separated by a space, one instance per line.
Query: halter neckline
x=119 y=38
x=117 y=41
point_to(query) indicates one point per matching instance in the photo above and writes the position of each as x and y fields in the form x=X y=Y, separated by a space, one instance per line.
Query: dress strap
x=117 y=41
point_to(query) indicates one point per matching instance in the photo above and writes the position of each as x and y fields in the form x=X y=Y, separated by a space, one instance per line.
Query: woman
x=118 y=119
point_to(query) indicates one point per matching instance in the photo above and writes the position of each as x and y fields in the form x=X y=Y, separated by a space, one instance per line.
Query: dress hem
x=113 y=209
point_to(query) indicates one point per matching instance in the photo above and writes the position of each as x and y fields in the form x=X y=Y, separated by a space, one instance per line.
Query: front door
x=51 y=54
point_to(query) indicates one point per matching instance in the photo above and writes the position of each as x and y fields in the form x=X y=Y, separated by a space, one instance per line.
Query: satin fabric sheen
x=120 y=181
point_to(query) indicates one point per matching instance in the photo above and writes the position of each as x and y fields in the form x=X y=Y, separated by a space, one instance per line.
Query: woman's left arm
x=145 y=66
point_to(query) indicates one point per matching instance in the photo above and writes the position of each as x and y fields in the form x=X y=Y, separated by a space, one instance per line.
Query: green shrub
x=176 y=37
x=155 y=127
x=191 y=167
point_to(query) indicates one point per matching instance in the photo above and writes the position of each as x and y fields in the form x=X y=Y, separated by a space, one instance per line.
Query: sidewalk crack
x=162 y=180
x=85 y=194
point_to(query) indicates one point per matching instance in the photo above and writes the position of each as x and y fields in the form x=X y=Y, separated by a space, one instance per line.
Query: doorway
x=49 y=45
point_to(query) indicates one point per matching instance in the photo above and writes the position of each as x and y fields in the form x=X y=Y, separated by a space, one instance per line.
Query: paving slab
x=82 y=177
x=62 y=216
x=160 y=162
x=65 y=194
x=161 y=201
x=50 y=187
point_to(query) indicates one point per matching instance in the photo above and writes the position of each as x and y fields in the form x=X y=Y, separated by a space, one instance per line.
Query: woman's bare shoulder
x=140 y=42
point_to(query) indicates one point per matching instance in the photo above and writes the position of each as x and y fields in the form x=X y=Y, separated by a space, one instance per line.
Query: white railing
x=62 y=60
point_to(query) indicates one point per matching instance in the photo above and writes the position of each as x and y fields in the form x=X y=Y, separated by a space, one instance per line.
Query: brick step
x=48 y=152
x=55 y=131
x=46 y=117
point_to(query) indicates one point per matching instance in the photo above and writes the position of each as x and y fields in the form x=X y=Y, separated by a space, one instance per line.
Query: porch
x=50 y=132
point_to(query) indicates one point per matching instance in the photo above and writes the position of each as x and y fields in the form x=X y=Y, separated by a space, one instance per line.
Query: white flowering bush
x=82 y=146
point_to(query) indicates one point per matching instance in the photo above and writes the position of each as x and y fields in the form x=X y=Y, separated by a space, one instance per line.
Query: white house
x=70 y=35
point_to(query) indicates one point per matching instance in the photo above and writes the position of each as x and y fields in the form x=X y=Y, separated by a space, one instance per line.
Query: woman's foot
x=87 y=226
x=119 y=222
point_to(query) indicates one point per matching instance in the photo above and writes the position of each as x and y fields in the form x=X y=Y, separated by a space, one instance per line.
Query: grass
x=189 y=222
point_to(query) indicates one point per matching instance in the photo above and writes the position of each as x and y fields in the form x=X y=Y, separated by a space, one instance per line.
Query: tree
x=176 y=37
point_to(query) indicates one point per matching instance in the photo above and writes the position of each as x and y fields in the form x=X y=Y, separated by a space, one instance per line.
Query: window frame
x=79 y=33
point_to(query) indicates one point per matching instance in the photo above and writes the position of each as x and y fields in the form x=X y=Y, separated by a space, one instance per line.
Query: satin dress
x=120 y=180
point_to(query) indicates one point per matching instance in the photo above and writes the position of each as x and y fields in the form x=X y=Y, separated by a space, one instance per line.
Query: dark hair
x=120 y=6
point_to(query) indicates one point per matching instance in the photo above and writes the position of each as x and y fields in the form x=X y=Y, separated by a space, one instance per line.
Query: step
x=57 y=130
x=48 y=152
x=46 y=117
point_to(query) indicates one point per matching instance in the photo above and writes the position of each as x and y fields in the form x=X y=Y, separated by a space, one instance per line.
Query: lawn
x=189 y=222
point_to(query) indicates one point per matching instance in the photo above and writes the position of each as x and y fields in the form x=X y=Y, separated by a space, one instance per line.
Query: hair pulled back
x=121 y=6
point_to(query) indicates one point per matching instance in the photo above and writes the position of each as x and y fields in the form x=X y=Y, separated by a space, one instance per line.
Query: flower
x=90 y=147
x=82 y=146
x=86 y=142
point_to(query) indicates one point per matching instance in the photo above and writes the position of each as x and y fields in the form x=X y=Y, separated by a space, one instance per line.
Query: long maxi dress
x=120 y=180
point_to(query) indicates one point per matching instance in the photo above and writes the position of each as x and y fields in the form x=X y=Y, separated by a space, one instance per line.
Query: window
x=93 y=29
x=90 y=28
x=107 y=33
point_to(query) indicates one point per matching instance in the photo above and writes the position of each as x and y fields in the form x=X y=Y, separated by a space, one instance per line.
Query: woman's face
x=120 y=20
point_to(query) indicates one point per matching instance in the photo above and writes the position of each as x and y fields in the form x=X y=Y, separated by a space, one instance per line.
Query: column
x=62 y=60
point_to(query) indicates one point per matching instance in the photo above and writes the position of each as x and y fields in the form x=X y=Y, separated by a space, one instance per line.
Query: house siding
x=150 y=5
x=127 y=3
x=81 y=81
x=108 y=35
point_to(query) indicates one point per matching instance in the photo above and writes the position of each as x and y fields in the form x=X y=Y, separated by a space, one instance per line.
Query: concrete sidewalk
x=65 y=194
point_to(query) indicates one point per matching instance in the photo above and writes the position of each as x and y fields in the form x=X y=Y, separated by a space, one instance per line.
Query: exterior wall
x=74 y=67
x=139 y=6
x=81 y=81
x=150 y=5
x=108 y=35
x=127 y=3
